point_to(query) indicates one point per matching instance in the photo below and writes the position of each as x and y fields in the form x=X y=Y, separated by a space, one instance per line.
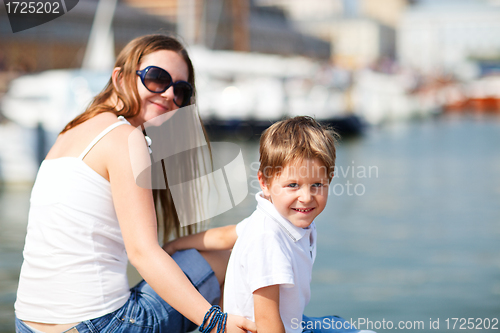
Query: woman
x=87 y=216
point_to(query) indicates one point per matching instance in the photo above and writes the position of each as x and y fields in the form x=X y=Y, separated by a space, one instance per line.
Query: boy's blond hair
x=293 y=140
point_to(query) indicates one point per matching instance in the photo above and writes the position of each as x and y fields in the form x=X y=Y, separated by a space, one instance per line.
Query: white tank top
x=75 y=262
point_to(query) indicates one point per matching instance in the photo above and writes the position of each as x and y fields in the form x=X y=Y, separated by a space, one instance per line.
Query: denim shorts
x=145 y=311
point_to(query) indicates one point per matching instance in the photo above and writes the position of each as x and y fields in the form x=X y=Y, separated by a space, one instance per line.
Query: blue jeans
x=145 y=311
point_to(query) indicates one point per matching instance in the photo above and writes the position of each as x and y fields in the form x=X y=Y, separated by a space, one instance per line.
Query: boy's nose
x=305 y=195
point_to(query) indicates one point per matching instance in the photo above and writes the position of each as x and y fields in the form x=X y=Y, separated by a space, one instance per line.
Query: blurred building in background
x=239 y=25
x=447 y=35
x=217 y=24
x=454 y=46
x=61 y=43
x=360 y=32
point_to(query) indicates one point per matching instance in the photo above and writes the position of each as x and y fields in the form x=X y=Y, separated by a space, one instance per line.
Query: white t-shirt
x=270 y=250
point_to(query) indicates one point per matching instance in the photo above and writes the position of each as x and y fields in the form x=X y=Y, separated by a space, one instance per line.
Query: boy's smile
x=299 y=192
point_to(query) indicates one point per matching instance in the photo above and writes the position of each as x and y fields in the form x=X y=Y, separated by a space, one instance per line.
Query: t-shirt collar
x=294 y=232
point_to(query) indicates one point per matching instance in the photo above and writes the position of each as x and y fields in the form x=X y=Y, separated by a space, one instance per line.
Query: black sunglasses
x=158 y=80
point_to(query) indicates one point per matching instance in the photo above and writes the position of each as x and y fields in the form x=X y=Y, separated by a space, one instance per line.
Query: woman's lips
x=159 y=105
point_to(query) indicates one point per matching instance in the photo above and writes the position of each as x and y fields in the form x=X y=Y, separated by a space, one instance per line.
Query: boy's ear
x=263 y=184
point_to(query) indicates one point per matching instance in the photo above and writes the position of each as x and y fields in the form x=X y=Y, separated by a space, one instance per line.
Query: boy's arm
x=267 y=310
x=222 y=238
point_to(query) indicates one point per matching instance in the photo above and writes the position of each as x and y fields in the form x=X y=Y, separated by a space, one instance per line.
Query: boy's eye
x=318 y=185
x=293 y=185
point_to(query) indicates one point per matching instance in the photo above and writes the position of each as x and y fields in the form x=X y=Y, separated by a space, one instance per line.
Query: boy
x=269 y=271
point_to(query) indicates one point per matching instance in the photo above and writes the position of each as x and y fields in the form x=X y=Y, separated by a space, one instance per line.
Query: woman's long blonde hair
x=127 y=104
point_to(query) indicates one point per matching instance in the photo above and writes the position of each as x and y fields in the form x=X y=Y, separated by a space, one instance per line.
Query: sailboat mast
x=100 y=51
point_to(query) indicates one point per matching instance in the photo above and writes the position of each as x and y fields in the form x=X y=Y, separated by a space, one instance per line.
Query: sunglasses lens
x=157 y=80
x=182 y=92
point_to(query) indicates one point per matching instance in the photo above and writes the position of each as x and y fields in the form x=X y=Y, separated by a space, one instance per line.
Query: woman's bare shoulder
x=92 y=127
x=101 y=120
x=126 y=153
x=75 y=140
x=120 y=140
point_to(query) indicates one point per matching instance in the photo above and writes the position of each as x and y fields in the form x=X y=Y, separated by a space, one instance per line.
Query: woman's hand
x=238 y=324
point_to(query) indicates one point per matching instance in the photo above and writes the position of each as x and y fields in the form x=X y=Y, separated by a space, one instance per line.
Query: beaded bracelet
x=217 y=317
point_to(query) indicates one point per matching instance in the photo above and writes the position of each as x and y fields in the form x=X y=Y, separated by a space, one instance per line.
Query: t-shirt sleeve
x=268 y=262
x=240 y=226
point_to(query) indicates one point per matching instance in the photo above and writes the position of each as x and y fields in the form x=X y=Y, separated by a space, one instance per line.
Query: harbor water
x=410 y=235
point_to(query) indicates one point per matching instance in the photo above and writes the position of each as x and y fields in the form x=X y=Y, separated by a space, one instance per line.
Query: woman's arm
x=267 y=310
x=222 y=238
x=135 y=211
